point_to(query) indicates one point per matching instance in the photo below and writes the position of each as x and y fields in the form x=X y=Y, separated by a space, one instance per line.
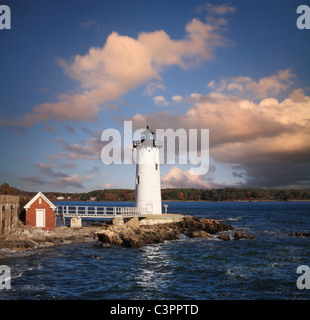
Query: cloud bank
x=267 y=139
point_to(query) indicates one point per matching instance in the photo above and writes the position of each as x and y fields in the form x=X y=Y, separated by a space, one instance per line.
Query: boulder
x=238 y=235
x=31 y=243
x=198 y=234
x=300 y=234
x=224 y=236
x=209 y=225
x=110 y=236
x=48 y=244
x=136 y=237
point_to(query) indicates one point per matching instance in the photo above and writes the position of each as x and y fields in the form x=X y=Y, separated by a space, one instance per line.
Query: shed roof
x=38 y=195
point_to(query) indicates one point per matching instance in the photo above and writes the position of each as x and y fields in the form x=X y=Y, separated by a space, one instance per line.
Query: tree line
x=180 y=194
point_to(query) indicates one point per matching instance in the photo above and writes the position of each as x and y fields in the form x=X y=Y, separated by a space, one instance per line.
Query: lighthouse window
x=156 y=166
x=137 y=179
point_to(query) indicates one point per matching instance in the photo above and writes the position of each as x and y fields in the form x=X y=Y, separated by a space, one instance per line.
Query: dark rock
x=238 y=235
x=209 y=225
x=198 y=234
x=149 y=234
x=300 y=234
x=136 y=237
x=31 y=243
x=110 y=236
x=101 y=245
x=224 y=236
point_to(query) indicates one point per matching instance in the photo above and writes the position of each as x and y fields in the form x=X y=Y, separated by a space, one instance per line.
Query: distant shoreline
x=293 y=200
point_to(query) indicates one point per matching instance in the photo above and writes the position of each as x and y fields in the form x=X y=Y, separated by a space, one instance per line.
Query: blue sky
x=72 y=69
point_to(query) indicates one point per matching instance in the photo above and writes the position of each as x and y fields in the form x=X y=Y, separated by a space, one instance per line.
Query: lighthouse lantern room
x=148 y=192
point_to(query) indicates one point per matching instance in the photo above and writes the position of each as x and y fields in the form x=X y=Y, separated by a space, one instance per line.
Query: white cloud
x=270 y=86
x=73 y=180
x=152 y=87
x=106 y=73
x=177 y=98
x=176 y=178
x=268 y=138
x=107 y=186
x=160 y=101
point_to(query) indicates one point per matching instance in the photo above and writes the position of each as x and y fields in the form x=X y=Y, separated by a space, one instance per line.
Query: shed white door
x=40 y=218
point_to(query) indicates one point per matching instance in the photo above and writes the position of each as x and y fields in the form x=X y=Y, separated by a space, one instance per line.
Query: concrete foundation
x=161 y=218
x=118 y=221
x=76 y=223
x=133 y=222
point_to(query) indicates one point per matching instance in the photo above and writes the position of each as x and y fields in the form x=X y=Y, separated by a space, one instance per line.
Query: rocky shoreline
x=128 y=235
x=192 y=227
x=25 y=238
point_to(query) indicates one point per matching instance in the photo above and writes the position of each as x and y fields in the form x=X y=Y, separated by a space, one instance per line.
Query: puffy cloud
x=124 y=63
x=73 y=180
x=246 y=86
x=107 y=186
x=76 y=107
x=177 y=98
x=193 y=97
x=160 y=101
x=176 y=178
x=269 y=139
x=106 y=73
x=151 y=87
x=198 y=44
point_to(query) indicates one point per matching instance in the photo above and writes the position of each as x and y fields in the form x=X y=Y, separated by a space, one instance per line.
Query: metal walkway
x=100 y=212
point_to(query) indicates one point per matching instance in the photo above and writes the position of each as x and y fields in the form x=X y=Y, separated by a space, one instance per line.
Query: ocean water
x=195 y=269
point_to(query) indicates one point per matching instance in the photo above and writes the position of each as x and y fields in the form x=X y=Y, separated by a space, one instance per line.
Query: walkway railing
x=100 y=212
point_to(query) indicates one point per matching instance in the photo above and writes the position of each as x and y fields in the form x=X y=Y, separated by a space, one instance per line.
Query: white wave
x=234 y=219
x=236 y=272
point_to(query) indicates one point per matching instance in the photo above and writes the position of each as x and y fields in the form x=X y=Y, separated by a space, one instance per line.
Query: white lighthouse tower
x=148 y=192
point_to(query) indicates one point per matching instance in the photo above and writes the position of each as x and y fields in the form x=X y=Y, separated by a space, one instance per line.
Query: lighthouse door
x=149 y=207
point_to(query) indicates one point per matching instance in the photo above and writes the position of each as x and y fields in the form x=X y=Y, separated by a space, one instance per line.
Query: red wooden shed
x=40 y=212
